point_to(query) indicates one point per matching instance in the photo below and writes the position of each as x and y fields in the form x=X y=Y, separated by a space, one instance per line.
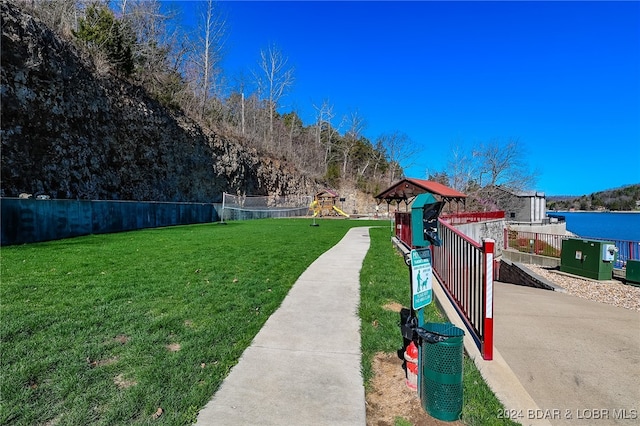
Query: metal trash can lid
x=445 y=329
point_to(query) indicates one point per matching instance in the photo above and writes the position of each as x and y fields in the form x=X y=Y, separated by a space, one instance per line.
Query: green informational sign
x=421 y=290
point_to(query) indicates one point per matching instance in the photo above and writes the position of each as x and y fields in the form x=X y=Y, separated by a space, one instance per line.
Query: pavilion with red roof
x=407 y=189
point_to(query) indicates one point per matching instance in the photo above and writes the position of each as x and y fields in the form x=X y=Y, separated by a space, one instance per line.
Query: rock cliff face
x=68 y=132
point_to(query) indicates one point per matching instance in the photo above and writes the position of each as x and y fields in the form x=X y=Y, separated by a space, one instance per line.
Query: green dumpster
x=632 y=274
x=441 y=368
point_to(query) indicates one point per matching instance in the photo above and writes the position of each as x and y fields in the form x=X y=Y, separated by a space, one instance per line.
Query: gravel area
x=611 y=292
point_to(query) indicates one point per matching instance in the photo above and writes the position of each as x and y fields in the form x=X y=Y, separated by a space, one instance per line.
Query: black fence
x=31 y=220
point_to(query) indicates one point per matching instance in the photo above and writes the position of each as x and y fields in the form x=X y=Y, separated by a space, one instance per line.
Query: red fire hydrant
x=411 y=356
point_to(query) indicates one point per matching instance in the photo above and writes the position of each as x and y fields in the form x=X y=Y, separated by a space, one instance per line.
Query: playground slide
x=340 y=211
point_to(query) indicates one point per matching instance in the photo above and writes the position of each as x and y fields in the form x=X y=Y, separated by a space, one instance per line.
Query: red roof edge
x=437 y=188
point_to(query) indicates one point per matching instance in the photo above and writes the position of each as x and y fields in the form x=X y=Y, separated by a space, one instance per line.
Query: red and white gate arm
x=487 y=343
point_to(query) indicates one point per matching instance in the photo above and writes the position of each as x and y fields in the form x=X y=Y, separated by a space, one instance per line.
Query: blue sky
x=561 y=77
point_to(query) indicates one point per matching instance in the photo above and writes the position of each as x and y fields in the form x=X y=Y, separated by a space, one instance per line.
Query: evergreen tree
x=102 y=32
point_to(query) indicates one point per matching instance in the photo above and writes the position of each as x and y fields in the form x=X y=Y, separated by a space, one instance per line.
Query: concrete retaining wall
x=514 y=273
x=532 y=259
x=559 y=228
x=490 y=229
x=29 y=220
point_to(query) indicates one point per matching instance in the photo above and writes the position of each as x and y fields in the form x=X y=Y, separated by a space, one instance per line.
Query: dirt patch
x=157 y=414
x=393 y=307
x=390 y=398
x=173 y=347
x=121 y=338
x=123 y=383
x=102 y=362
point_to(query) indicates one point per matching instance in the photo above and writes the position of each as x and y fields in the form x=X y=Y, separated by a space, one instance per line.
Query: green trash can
x=441 y=370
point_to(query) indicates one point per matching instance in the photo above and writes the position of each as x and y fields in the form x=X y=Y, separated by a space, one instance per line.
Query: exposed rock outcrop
x=69 y=132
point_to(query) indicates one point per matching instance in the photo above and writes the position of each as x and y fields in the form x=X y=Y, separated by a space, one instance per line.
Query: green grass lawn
x=87 y=324
x=107 y=329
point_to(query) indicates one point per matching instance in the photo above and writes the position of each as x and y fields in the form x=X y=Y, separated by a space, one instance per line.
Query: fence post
x=487 y=298
x=506 y=238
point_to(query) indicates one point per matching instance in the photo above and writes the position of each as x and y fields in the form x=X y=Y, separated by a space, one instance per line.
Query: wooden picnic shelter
x=407 y=189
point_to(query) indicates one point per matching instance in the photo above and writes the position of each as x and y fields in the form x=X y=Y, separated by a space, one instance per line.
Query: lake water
x=615 y=226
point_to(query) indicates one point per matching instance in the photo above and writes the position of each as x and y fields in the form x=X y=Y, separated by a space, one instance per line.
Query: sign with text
x=421 y=290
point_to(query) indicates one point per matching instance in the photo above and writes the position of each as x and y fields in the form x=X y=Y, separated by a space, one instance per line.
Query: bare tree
x=365 y=160
x=237 y=102
x=379 y=159
x=501 y=173
x=61 y=15
x=276 y=78
x=158 y=51
x=207 y=54
x=355 y=125
x=324 y=115
x=502 y=163
x=460 y=169
x=400 y=151
x=490 y=173
x=294 y=126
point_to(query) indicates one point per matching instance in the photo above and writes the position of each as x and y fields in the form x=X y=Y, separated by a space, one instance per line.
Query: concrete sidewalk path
x=578 y=359
x=303 y=367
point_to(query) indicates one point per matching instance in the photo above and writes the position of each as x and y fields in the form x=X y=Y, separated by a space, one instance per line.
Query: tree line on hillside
x=626 y=198
x=142 y=42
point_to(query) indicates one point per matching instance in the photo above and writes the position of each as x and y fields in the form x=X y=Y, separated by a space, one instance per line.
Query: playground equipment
x=340 y=212
x=314 y=207
x=324 y=204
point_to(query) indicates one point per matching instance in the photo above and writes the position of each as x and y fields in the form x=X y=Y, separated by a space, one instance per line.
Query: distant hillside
x=625 y=198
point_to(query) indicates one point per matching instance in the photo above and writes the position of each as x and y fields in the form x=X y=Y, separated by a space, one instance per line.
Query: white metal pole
x=222 y=216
